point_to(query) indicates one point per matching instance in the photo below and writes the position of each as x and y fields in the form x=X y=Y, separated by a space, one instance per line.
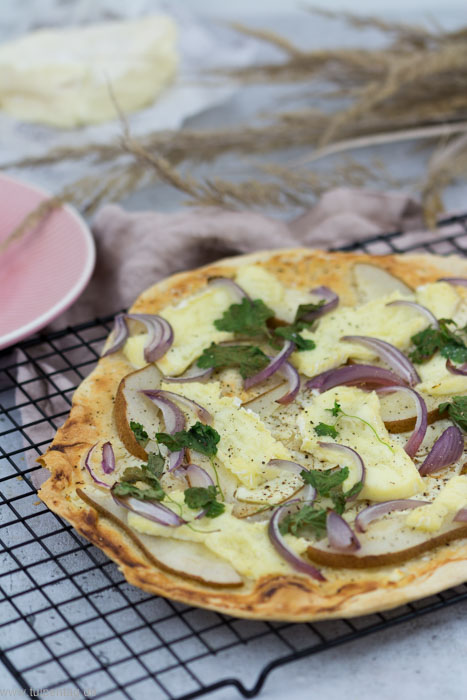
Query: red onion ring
x=354 y=456
x=152 y=510
x=284 y=551
x=173 y=417
x=293 y=378
x=377 y=510
x=230 y=285
x=461 y=281
x=390 y=354
x=447 y=449
x=160 y=334
x=200 y=411
x=461 y=516
x=87 y=464
x=288 y=466
x=176 y=459
x=198 y=476
x=193 y=374
x=340 y=534
x=275 y=364
x=353 y=375
x=108 y=458
x=418 y=307
x=331 y=299
x=462 y=370
x=120 y=334
x=421 y=424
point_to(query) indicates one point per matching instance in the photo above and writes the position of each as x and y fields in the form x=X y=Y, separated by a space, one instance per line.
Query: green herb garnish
x=305 y=309
x=126 y=487
x=336 y=410
x=205 y=498
x=201 y=438
x=293 y=333
x=139 y=432
x=247 y=318
x=323 y=429
x=307 y=518
x=457 y=410
x=449 y=343
x=247 y=358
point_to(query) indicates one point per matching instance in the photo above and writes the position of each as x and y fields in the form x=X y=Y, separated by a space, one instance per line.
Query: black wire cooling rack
x=68 y=619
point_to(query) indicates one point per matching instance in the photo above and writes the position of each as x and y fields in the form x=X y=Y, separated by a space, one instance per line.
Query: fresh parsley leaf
x=324 y=482
x=156 y=464
x=201 y=438
x=457 y=410
x=247 y=358
x=323 y=429
x=305 y=309
x=205 y=498
x=133 y=474
x=336 y=409
x=293 y=333
x=247 y=318
x=151 y=493
x=448 y=342
x=307 y=518
x=140 y=434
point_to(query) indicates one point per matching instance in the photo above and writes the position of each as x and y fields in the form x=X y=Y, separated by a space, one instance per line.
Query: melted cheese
x=390 y=473
x=62 y=76
x=394 y=324
x=246 y=545
x=437 y=380
x=261 y=284
x=193 y=326
x=245 y=445
x=451 y=499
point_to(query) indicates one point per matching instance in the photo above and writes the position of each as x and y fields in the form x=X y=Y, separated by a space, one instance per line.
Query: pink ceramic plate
x=42 y=274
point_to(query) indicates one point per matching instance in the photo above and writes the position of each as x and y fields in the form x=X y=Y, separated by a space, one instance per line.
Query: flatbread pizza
x=278 y=435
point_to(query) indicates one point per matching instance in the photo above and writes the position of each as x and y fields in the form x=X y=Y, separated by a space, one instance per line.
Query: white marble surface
x=424 y=658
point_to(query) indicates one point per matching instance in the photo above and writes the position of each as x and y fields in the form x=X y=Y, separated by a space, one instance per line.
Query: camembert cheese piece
x=390 y=473
x=70 y=77
x=245 y=445
x=447 y=503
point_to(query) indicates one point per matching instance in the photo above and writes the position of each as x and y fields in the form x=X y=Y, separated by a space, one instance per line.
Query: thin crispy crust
x=295 y=598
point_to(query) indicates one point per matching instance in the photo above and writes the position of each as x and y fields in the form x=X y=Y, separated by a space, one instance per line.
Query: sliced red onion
x=152 y=510
x=331 y=299
x=421 y=424
x=87 y=464
x=390 y=354
x=461 y=516
x=160 y=335
x=293 y=467
x=200 y=411
x=193 y=374
x=461 y=281
x=284 y=551
x=230 y=285
x=275 y=364
x=108 y=458
x=418 y=307
x=119 y=335
x=308 y=494
x=447 y=449
x=173 y=417
x=462 y=370
x=293 y=379
x=340 y=534
x=354 y=375
x=176 y=459
x=367 y=515
x=353 y=455
x=198 y=476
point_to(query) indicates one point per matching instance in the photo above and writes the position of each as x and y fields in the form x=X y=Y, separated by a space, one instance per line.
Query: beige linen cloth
x=135 y=250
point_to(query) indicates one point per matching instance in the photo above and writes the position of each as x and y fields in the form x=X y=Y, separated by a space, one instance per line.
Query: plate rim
x=73 y=293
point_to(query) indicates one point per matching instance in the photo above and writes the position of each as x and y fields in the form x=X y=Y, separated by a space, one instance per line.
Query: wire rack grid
x=68 y=619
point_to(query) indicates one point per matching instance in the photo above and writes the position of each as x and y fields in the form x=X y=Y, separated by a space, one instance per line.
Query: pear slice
x=272 y=492
x=130 y=405
x=373 y=282
x=386 y=543
x=265 y=404
x=398 y=411
x=189 y=560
